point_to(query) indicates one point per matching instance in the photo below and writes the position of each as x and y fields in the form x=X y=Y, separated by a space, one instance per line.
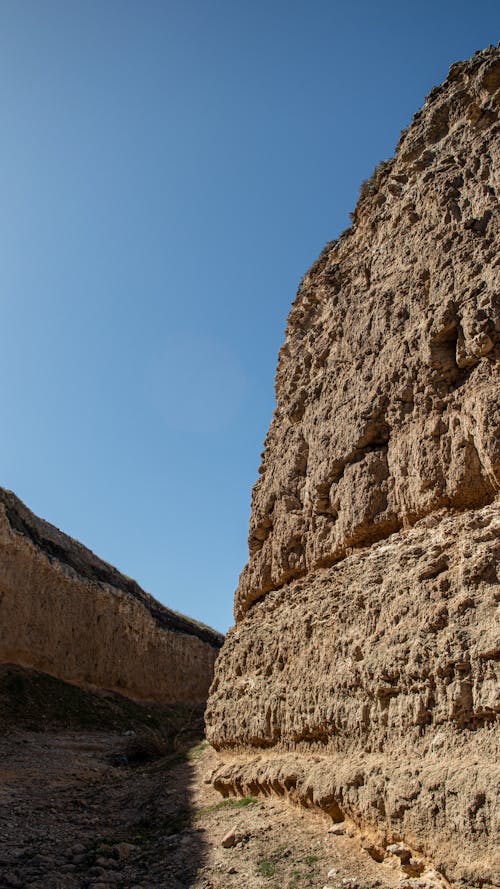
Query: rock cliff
x=362 y=674
x=68 y=613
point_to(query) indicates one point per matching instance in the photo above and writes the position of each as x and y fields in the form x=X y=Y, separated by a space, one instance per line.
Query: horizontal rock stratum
x=362 y=674
x=66 y=612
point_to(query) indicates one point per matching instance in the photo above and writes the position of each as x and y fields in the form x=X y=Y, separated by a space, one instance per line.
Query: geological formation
x=360 y=677
x=66 y=612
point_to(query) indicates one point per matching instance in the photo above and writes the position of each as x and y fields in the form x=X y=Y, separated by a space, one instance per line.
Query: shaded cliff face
x=66 y=612
x=362 y=674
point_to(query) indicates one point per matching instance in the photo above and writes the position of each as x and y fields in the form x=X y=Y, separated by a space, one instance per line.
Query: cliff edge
x=361 y=677
x=66 y=612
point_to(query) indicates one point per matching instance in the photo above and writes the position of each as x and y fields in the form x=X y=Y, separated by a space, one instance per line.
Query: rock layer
x=66 y=612
x=362 y=665
x=386 y=403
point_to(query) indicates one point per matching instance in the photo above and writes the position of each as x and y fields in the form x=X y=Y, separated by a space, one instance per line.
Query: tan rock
x=229 y=840
x=386 y=397
x=338 y=829
x=68 y=613
x=361 y=677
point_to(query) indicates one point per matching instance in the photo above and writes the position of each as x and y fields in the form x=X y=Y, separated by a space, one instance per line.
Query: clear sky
x=168 y=171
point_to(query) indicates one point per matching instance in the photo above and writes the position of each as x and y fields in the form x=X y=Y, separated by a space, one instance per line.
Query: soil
x=71 y=819
x=98 y=792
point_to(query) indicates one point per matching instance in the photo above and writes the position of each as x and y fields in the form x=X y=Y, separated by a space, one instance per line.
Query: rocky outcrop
x=361 y=675
x=68 y=613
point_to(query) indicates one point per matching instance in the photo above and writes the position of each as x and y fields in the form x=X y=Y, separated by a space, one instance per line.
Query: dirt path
x=71 y=818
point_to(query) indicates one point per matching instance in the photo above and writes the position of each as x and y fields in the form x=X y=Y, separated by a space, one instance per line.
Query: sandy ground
x=73 y=815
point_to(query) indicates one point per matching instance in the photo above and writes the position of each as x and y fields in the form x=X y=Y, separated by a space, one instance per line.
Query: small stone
x=413 y=868
x=124 y=850
x=400 y=850
x=332 y=873
x=338 y=829
x=375 y=852
x=229 y=840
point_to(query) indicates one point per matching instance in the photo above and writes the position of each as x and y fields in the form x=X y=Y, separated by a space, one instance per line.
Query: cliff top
x=69 y=552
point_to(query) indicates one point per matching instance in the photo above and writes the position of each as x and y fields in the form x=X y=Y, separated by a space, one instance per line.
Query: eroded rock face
x=68 y=613
x=386 y=402
x=363 y=665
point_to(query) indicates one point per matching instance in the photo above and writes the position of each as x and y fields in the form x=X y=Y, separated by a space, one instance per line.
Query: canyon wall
x=362 y=674
x=66 y=612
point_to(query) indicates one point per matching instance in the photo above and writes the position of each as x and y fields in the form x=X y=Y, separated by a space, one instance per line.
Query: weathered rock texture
x=362 y=668
x=66 y=612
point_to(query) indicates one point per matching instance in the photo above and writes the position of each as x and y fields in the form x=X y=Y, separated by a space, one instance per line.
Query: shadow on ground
x=95 y=790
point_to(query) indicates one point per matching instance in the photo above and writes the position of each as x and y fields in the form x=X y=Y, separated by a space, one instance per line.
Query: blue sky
x=168 y=171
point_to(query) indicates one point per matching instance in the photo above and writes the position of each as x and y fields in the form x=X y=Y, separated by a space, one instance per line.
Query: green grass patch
x=230 y=803
x=196 y=751
x=266 y=867
x=241 y=802
x=311 y=859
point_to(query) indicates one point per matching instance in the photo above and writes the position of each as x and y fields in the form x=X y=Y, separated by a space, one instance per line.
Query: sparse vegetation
x=311 y=859
x=231 y=803
x=148 y=745
x=370 y=186
x=196 y=751
x=266 y=867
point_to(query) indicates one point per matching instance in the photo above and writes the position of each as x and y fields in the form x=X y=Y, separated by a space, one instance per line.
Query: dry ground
x=98 y=792
x=70 y=818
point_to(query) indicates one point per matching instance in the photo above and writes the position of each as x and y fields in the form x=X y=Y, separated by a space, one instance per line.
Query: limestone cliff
x=68 y=613
x=361 y=676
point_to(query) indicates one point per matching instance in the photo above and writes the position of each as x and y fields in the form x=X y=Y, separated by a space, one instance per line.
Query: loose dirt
x=74 y=815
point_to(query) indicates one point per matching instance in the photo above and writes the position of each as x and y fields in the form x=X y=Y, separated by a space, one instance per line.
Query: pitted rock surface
x=387 y=403
x=395 y=638
x=361 y=677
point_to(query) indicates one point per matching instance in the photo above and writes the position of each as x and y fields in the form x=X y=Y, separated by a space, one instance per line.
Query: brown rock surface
x=66 y=612
x=386 y=403
x=361 y=675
